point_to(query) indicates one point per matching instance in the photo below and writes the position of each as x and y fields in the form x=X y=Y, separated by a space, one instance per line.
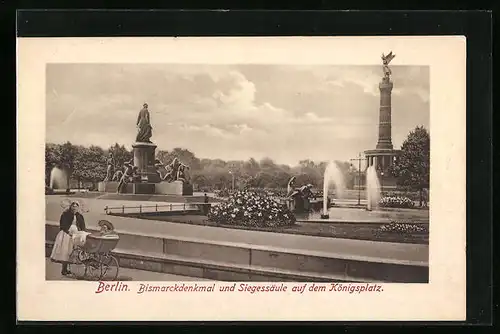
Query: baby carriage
x=93 y=259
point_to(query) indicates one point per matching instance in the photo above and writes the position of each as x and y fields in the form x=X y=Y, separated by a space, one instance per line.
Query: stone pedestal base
x=174 y=188
x=112 y=187
x=299 y=205
x=161 y=188
x=144 y=160
x=144 y=188
x=381 y=159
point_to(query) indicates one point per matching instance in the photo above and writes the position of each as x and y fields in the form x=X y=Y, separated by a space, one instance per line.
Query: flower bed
x=404 y=228
x=396 y=202
x=247 y=208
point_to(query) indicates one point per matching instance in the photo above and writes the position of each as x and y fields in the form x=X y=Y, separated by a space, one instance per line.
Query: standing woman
x=70 y=223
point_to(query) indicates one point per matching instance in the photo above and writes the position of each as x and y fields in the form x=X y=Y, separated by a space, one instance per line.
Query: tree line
x=87 y=166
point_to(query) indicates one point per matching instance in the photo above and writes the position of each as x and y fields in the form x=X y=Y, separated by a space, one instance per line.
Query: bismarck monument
x=141 y=175
x=384 y=155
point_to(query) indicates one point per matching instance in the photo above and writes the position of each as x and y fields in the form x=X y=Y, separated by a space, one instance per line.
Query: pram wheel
x=92 y=269
x=109 y=268
x=76 y=266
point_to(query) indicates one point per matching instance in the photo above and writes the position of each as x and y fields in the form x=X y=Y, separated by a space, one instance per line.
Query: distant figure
x=206 y=207
x=144 y=125
x=425 y=197
x=110 y=168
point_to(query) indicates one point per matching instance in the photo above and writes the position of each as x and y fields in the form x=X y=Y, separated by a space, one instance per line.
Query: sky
x=234 y=112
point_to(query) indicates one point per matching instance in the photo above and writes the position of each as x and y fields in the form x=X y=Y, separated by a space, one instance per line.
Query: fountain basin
x=340 y=214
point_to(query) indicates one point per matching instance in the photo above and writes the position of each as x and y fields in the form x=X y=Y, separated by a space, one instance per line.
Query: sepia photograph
x=232 y=177
x=238 y=172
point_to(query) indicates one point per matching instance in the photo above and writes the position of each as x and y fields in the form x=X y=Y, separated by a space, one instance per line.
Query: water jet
x=58 y=179
x=332 y=175
x=372 y=188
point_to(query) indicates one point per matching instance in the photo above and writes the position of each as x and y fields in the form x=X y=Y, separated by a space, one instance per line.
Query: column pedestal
x=144 y=158
x=384 y=126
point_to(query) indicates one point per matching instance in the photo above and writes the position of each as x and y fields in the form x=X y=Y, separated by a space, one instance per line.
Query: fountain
x=332 y=174
x=58 y=179
x=372 y=188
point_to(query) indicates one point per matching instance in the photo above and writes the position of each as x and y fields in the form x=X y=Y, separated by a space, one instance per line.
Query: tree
x=267 y=164
x=251 y=167
x=120 y=155
x=412 y=168
x=90 y=164
x=51 y=159
x=185 y=156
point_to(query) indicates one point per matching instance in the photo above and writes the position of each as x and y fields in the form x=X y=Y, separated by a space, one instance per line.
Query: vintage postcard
x=283 y=178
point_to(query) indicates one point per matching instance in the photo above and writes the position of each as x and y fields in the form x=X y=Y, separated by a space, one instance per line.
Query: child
x=106 y=229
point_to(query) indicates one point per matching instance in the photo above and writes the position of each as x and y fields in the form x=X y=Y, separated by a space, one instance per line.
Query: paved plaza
x=53 y=272
x=385 y=251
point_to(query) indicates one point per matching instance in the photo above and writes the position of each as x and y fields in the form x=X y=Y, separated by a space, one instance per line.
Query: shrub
x=247 y=208
x=396 y=202
x=402 y=227
x=222 y=193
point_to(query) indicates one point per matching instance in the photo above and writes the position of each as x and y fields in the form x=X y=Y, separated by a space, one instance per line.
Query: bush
x=396 y=202
x=222 y=193
x=404 y=227
x=247 y=208
x=413 y=195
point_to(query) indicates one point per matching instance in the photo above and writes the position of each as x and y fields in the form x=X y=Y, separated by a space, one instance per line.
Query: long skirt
x=63 y=246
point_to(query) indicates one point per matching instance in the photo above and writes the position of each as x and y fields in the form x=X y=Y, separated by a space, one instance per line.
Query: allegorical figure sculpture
x=130 y=172
x=176 y=170
x=144 y=129
x=385 y=64
x=158 y=167
x=289 y=188
x=117 y=175
x=181 y=173
x=110 y=167
x=301 y=198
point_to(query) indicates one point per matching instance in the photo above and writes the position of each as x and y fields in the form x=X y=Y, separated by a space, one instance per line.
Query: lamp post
x=232 y=179
x=382 y=183
x=359 y=159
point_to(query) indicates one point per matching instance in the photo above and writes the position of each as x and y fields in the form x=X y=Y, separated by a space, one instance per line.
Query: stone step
x=219 y=271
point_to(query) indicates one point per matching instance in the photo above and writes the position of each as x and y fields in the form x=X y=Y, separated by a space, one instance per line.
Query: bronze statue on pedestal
x=145 y=130
x=385 y=64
